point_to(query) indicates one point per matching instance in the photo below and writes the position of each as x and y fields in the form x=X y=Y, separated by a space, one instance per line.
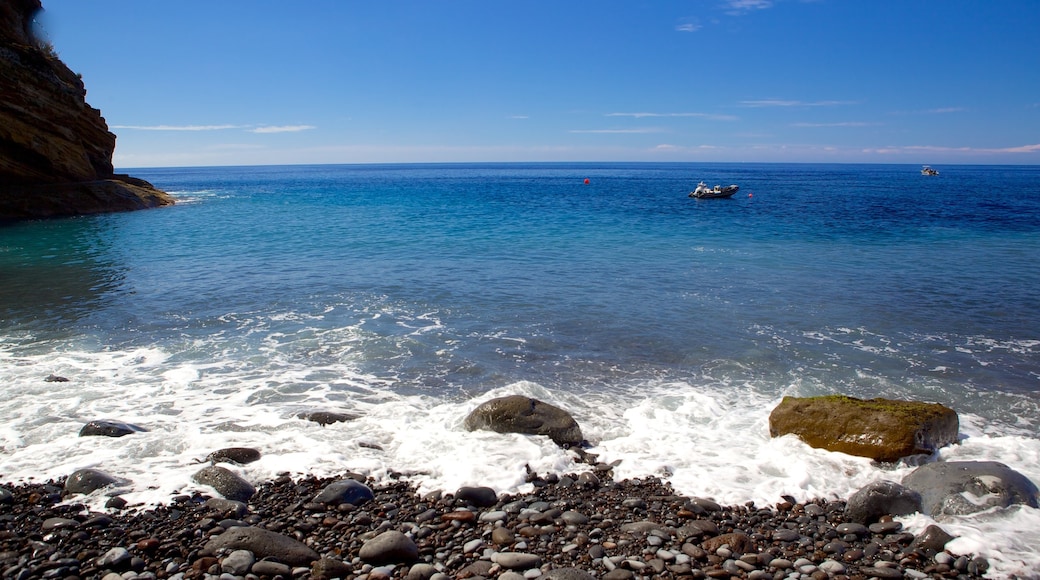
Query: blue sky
x=246 y=82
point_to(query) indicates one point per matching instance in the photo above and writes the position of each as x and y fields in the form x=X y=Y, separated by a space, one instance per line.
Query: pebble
x=561 y=531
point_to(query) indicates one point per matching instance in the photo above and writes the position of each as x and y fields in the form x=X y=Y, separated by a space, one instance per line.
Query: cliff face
x=55 y=149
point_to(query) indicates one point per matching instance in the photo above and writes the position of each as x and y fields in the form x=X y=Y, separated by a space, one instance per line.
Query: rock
x=477 y=496
x=116 y=558
x=567 y=574
x=237 y=563
x=739 y=543
x=946 y=487
x=225 y=482
x=263 y=544
x=932 y=538
x=106 y=428
x=55 y=149
x=390 y=547
x=6 y=497
x=56 y=379
x=270 y=569
x=519 y=414
x=421 y=572
x=324 y=418
x=517 y=560
x=881 y=429
x=329 y=568
x=344 y=491
x=236 y=455
x=89 y=480
x=227 y=507
x=880 y=498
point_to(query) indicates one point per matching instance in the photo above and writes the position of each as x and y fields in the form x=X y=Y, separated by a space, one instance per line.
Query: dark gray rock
x=477 y=496
x=228 y=507
x=946 y=486
x=932 y=538
x=324 y=418
x=107 y=428
x=567 y=574
x=390 y=547
x=344 y=491
x=263 y=544
x=880 y=498
x=519 y=414
x=225 y=482
x=89 y=480
x=6 y=497
x=236 y=455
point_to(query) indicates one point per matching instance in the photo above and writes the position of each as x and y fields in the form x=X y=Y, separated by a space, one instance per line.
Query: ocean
x=668 y=326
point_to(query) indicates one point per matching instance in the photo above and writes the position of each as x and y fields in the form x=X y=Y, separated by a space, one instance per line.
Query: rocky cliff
x=55 y=149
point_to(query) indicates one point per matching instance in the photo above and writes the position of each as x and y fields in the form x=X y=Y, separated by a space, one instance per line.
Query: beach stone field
x=570 y=527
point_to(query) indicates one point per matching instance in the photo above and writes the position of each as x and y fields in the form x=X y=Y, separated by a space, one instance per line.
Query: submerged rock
x=89 y=480
x=881 y=429
x=324 y=418
x=519 y=414
x=106 y=428
x=237 y=455
x=950 y=488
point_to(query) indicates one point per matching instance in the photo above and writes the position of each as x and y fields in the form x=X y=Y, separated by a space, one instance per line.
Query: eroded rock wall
x=55 y=149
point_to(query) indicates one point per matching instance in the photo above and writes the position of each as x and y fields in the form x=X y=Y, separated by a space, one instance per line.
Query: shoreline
x=569 y=527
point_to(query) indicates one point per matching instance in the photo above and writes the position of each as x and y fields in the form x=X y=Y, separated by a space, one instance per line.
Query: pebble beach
x=575 y=526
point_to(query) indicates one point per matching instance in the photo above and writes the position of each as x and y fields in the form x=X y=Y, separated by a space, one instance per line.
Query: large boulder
x=519 y=414
x=881 y=429
x=950 y=488
x=55 y=149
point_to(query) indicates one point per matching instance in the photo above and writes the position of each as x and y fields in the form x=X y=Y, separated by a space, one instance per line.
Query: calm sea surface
x=408 y=293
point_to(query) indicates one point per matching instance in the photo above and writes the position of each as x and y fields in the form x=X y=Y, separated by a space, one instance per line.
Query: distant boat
x=705 y=192
x=928 y=171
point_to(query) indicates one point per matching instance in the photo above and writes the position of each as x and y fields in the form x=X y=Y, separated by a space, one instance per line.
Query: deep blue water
x=453 y=279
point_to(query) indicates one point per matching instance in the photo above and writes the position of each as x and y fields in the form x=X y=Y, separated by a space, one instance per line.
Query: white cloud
x=642 y=130
x=700 y=115
x=178 y=127
x=689 y=27
x=838 y=124
x=787 y=103
x=282 y=129
x=738 y=7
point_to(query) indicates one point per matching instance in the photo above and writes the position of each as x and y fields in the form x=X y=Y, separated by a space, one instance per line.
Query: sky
x=260 y=82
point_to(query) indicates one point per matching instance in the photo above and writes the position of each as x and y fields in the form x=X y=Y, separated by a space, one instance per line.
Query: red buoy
x=586 y=181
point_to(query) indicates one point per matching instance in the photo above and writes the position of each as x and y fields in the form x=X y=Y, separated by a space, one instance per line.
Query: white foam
x=708 y=440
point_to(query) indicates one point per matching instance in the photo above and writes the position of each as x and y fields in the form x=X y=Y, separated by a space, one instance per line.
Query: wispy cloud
x=641 y=130
x=944 y=110
x=249 y=128
x=786 y=103
x=689 y=26
x=282 y=129
x=700 y=115
x=837 y=124
x=971 y=150
x=738 y=7
x=178 y=127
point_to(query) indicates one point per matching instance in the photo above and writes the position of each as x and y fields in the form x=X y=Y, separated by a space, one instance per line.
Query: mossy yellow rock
x=881 y=429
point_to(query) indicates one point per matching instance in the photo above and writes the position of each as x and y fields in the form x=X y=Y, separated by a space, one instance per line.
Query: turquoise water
x=872 y=280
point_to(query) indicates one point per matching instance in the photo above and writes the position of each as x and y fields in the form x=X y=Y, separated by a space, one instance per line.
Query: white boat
x=705 y=192
x=928 y=171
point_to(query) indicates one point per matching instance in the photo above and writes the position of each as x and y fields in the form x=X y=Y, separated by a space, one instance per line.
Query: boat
x=705 y=192
x=928 y=171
